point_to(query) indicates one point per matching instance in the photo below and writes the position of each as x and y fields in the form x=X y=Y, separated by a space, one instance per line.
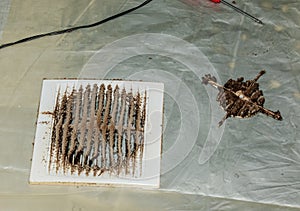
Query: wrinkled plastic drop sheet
x=247 y=164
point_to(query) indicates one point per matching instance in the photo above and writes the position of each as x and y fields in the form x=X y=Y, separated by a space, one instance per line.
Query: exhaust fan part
x=97 y=132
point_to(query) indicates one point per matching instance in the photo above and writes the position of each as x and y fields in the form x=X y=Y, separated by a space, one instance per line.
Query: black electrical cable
x=72 y=29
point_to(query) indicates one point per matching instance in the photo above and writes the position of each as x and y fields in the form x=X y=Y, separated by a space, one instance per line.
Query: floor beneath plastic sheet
x=255 y=165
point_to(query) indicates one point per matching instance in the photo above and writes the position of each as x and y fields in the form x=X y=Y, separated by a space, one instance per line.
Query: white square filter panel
x=95 y=132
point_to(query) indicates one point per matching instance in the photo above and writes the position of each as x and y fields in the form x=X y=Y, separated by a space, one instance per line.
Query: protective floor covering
x=247 y=164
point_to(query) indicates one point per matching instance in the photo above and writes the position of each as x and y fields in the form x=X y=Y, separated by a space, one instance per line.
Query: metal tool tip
x=260 y=22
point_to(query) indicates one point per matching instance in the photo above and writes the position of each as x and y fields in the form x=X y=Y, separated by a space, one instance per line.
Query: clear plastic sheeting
x=4 y=8
x=247 y=164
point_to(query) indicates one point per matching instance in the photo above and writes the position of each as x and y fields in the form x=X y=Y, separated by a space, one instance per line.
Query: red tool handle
x=216 y=1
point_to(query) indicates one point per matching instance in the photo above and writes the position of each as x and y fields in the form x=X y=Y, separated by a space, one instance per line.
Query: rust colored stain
x=98 y=129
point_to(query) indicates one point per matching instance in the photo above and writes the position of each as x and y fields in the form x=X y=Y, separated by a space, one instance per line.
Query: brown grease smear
x=98 y=129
